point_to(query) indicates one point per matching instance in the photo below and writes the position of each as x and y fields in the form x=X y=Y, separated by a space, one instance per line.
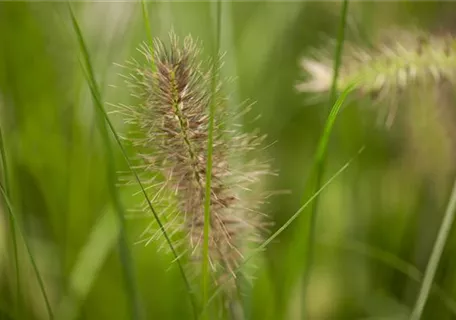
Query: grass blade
x=162 y=229
x=103 y=113
x=320 y=159
x=89 y=262
x=146 y=19
x=125 y=255
x=12 y=228
x=395 y=263
x=168 y=240
x=434 y=259
x=207 y=203
x=339 y=49
x=29 y=252
x=4 y=164
x=285 y=225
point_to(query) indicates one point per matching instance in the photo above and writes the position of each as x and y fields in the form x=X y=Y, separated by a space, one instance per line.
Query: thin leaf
x=320 y=159
x=395 y=263
x=285 y=225
x=29 y=252
x=207 y=203
x=125 y=255
x=146 y=19
x=89 y=262
x=12 y=227
x=100 y=109
x=436 y=254
x=168 y=240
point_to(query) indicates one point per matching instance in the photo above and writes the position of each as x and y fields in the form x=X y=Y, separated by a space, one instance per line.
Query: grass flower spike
x=172 y=124
x=397 y=60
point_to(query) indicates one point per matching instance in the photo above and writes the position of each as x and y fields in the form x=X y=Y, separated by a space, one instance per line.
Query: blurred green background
x=376 y=224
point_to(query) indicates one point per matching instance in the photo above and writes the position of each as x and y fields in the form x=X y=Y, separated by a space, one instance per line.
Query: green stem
x=319 y=166
x=29 y=251
x=261 y=248
x=162 y=228
x=99 y=106
x=395 y=263
x=207 y=203
x=125 y=254
x=436 y=254
x=146 y=19
x=12 y=228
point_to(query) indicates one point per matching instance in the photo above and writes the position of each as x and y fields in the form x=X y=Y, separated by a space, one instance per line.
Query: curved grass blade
x=210 y=139
x=125 y=255
x=4 y=164
x=12 y=227
x=103 y=113
x=29 y=252
x=146 y=19
x=286 y=224
x=434 y=259
x=89 y=262
x=145 y=13
x=395 y=263
x=320 y=159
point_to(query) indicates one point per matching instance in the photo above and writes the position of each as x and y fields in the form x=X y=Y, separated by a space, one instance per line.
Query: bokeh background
x=376 y=222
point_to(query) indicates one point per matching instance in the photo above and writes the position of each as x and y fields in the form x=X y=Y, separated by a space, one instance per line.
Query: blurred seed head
x=409 y=68
x=398 y=59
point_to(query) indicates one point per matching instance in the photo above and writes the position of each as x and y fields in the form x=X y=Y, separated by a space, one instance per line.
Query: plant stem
x=12 y=227
x=284 y=226
x=148 y=32
x=162 y=228
x=207 y=203
x=320 y=162
x=124 y=252
x=436 y=254
x=29 y=251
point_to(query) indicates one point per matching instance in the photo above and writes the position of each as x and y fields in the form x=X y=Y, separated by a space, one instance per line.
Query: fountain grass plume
x=170 y=132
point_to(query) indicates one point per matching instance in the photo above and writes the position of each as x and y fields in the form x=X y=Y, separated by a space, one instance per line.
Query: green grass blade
x=29 y=252
x=320 y=158
x=12 y=228
x=125 y=255
x=436 y=254
x=168 y=240
x=395 y=263
x=4 y=163
x=207 y=203
x=323 y=145
x=338 y=52
x=100 y=109
x=90 y=260
x=285 y=225
x=146 y=19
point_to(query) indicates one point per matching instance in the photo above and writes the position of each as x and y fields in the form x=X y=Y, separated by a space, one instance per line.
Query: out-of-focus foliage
x=376 y=223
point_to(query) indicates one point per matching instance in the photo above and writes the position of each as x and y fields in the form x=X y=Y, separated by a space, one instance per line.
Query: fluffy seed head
x=172 y=123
